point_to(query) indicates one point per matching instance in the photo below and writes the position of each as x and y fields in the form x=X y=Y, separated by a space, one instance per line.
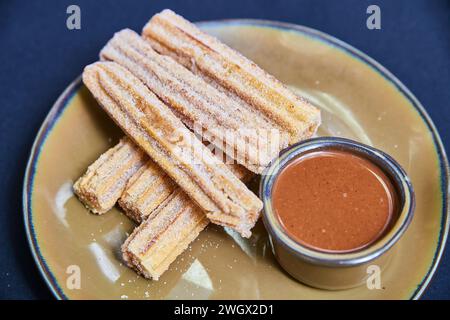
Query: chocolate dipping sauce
x=334 y=201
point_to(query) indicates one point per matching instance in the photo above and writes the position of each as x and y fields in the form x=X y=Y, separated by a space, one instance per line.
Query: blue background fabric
x=39 y=57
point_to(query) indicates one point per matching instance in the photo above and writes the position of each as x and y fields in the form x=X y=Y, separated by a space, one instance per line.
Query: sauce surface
x=333 y=201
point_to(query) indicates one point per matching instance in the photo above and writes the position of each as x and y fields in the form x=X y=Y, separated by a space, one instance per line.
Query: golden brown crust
x=104 y=181
x=172 y=146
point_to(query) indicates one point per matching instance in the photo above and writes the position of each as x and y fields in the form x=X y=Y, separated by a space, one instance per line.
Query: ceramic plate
x=359 y=99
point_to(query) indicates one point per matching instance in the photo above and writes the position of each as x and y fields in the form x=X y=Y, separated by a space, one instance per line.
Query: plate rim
x=61 y=103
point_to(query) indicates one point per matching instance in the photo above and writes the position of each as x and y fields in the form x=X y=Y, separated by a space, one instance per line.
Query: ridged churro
x=245 y=135
x=103 y=183
x=229 y=71
x=156 y=243
x=148 y=189
x=154 y=128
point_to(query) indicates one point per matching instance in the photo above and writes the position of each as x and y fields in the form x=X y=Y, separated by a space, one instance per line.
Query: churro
x=154 y=128
x=229 y=71
x=104 y=181
x=148 y=189
x=247 y=136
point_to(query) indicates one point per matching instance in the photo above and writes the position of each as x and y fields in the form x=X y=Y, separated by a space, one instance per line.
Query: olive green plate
x=359 y=99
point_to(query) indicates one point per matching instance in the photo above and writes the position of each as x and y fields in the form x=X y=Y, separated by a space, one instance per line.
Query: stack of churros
x=156 y=130
x=164 y=90
x=204 y=109
x=156 y=243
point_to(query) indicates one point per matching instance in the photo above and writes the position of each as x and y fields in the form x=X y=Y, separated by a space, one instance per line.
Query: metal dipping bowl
x=335 y=271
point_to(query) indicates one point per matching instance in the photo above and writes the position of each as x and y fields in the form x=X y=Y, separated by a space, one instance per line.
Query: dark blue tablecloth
x=39 y=57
